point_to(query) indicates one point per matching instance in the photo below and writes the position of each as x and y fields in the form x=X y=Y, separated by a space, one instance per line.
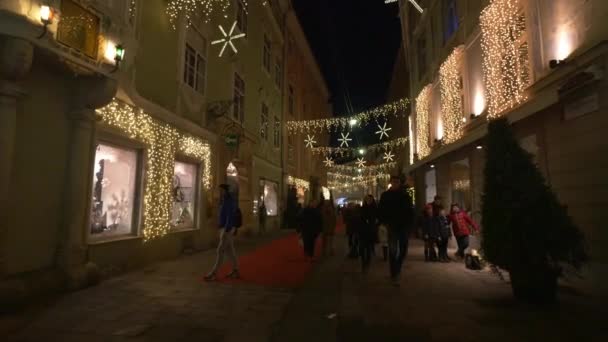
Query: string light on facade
x=344 y=140
x=506 y=64
x=310 y=141
x=452 y=110
x=298 y=183
x=361 y=162
x=423 y=134
x=383 y=131
x=162 y=142
x=343 y=123
x=190 y=10
x=388 y=157
x=228 y=38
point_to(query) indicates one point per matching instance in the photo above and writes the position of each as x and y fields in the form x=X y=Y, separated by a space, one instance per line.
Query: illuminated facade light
x=46 y=14
x=423 y=136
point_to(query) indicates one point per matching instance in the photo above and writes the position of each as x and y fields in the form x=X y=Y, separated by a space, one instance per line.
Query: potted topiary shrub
x=526 y=231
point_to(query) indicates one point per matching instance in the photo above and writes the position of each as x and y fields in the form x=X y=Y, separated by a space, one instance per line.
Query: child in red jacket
x=461 y=222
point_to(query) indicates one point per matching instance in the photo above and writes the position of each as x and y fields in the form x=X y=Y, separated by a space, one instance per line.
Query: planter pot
x=534 y=285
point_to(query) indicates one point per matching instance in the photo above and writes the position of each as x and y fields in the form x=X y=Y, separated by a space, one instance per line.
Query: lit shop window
x=184 y=195
x=269 y=196
x=114 y=190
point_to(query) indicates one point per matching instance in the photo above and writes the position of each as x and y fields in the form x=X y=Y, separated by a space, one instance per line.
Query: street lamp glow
x=353 y=122
x=46 y=14
x=479 y=147
x=361 y=151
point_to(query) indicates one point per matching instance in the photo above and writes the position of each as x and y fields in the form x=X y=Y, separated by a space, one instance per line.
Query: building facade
x=541 y=64
x=118 y=121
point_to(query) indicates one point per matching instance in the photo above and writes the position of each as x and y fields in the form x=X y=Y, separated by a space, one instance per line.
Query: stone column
x=15 y=62
x=89 y=94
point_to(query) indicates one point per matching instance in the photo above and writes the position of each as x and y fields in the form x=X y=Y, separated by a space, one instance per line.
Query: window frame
x=197 y=198
x=276 y=132
x=264 y=121
x=278 y=72
x=239 y=98
x=241 y=16
x=112 y=138
x=199 y=75
x=267 y=54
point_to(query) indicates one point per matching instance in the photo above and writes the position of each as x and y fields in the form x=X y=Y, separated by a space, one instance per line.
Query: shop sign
x=232 y=140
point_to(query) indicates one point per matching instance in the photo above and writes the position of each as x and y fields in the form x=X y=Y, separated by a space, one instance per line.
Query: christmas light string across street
x=352 y=151
x=228 y=38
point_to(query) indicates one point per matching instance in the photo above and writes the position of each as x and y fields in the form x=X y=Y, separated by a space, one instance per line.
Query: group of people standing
x=318 y=218
x=437 y=227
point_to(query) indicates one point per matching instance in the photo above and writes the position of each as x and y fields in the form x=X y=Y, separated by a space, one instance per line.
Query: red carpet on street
x=280 y=263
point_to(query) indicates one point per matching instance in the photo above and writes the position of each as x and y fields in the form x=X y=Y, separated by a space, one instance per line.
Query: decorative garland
x=450 y=77
x=342 y=123
x=352 y=151
x=298 y=183
x=162 y=142
x=336 y=177
x=423 y=128
x=505 y=61
x=365 y=169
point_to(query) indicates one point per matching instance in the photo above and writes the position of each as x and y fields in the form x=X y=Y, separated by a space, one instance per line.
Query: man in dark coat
x=311 y=223
x=396 y=212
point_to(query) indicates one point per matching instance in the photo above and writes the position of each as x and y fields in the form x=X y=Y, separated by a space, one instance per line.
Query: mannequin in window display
x=98 y=218
x=118 y=209
x=181 y=202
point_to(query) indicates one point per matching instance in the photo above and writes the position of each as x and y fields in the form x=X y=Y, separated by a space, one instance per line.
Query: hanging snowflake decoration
x=228 y=38
x=361 y=162
x=328 y=162
x=310 y=141
x=344 y=140
x=389 y=157
x=383 y=131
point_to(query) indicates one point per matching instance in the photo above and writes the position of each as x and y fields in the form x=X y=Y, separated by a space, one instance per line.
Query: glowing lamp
x=479 y=147
x=432 y=166
x=120 y=53
x=353 y=122
x=46 y=14
x=361 y=151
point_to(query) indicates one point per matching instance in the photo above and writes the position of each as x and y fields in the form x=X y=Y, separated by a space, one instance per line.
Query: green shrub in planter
x=526 y=231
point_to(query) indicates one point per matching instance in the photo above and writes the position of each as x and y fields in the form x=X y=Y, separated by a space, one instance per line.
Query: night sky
x=355 y=43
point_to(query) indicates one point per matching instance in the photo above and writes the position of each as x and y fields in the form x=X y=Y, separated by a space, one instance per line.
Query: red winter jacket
x=461 y=222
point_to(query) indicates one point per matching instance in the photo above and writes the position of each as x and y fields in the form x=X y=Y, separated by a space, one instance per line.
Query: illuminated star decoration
x=328 y=162
x=361 y=162
x=344 y=140
x=310 y=141
x=388 y=156
x=228 y=38
x=383 y=131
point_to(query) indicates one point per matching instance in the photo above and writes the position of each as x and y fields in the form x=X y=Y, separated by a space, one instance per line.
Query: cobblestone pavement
x=436 y=302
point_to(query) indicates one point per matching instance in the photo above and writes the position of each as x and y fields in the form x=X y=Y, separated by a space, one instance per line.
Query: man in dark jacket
x=396 y=212
x=227 y=226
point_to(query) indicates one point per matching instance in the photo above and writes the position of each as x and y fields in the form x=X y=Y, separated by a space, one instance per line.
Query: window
x=278 y=73
x=421 y=45
x=269 y=196
x=450 y=25
x=195 y=66
x=267 y=54
x=277 y=132
x=239 y=98
x=78 y=28
x=291 y=100
x=114 y=191
x=184 y=195
x=290 y=148
x=264 y=122
x=241 y=16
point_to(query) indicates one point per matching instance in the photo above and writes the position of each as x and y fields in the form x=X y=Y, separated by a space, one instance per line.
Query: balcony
x=87 y=36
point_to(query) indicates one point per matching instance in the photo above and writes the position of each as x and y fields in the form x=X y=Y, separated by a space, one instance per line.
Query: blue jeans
x=397 y=247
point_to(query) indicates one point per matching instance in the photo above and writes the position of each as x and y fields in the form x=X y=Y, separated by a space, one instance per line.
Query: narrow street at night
x=334 y=302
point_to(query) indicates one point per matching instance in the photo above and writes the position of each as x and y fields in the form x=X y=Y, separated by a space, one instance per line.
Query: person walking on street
x=351 y=229
x=461 y=224
x=425 y=222
x=368 y=231
x=442 y=229
x=228 y=229
x=311 y=225
x=328 y=213
x=262 y=215
x=396 y=211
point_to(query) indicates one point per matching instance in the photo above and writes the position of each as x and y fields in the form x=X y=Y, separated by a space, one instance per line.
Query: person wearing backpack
x=229 y=221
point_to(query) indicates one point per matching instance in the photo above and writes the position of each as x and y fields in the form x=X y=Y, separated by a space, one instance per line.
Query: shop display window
x=184 y=195
x=114 y=191
x=270 y=196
